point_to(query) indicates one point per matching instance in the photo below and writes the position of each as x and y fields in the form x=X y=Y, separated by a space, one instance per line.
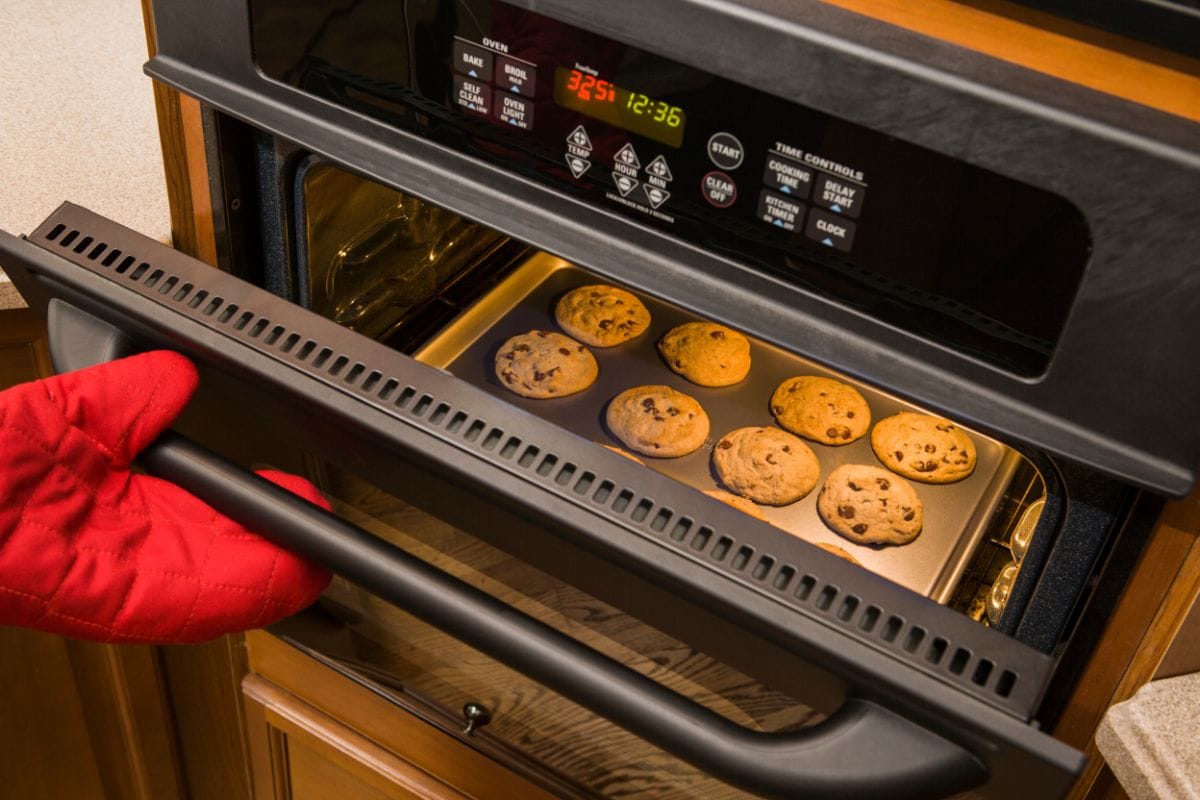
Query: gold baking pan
x=956 y=515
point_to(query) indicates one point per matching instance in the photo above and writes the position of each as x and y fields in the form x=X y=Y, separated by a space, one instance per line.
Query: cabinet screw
x=476 y=715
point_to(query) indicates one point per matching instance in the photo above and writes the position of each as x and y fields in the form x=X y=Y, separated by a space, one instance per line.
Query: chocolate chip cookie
x=545 y=364
x=621 y=452
x=742 y=504
x=839 y=552
x=657 y=421
x=601 y=315
x=869 y=505
x=821 y=409
x=706 y=353
x=924 y=448
x=767 y=465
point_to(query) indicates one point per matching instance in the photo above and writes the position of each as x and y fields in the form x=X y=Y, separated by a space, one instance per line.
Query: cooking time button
x=830 y=230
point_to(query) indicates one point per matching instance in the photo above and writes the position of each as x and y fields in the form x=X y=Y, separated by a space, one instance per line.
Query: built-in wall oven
x=400 y=186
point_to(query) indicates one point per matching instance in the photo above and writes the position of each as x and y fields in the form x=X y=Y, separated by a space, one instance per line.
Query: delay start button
x=718 y=189
x=725 y=150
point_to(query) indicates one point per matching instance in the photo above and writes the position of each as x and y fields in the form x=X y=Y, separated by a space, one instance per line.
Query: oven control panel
x=953 y=252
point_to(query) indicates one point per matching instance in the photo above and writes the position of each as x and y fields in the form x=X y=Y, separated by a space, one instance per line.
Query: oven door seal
x=847 y=621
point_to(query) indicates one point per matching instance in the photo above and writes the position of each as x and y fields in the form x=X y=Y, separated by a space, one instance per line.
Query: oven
x=400 y=186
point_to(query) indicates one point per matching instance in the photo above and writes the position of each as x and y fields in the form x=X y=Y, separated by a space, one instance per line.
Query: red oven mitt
x=91 y=550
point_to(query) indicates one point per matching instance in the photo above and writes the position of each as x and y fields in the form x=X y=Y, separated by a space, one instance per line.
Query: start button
x=725 y=150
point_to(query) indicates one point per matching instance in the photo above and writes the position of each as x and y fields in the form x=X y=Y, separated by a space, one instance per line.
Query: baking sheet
x=956 y=514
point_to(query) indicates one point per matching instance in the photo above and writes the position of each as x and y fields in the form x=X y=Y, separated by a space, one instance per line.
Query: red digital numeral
x=573 y=81
x=585 y=89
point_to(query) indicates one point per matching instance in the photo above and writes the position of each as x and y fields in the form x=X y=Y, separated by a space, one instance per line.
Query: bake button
x=472 y=60
x=830 y=230
x=780 y=211
x=725 y=150
x=718 y=189
x=516 y=76
x=787 y=176
x=472 y=95
x=838 y=194
x=513 y=110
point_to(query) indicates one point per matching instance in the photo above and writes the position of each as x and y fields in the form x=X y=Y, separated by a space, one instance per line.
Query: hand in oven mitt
x=91 y=550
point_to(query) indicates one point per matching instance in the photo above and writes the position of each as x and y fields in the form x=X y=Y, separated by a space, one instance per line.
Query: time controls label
x=787 y=176
x=839 y=194
x=472 y=95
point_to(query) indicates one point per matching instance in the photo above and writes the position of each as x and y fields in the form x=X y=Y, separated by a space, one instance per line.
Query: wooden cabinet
x=314 y=734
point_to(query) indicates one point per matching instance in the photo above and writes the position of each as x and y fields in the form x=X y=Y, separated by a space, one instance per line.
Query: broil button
x=718 y=189
x=830 y=230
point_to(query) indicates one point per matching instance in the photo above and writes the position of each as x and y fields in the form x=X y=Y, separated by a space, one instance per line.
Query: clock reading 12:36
x=616 y=105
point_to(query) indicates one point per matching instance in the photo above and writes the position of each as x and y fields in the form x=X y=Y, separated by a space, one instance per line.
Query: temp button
x=718 y=189
x=830 y=230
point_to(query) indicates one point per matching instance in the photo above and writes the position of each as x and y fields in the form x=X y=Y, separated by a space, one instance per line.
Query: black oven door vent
x=469 y=457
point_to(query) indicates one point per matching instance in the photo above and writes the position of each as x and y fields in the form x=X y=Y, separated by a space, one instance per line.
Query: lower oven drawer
x=920 y=700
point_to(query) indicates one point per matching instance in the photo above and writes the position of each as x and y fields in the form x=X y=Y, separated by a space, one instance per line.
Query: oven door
x=922 y=702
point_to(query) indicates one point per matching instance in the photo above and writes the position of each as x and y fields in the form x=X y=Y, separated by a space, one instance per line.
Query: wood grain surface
x=1052 y=45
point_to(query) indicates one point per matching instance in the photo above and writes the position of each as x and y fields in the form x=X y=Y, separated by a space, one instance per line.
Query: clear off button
x=718 y=189
x=830 y=230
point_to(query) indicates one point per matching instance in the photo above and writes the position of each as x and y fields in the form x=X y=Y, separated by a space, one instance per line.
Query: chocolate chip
x=691 y=415
x=660 y=419
x=771 y=458
x=521 y=348
x=883 y=483
x=673 y=411
x=791 y=388
x=854 y=486
x=539 y=376
x=551 y=389
x=849 y=415
x=899 y=456
x=845 y=433
x=564 y=351
x=909 y=516
x=552 y=370
x=822 y=394
x=605 y=324
x=509 y=377
x=832 y=433
x=787 y=448
x=776 y=410
x=930 y=448
x=510 y=355
x=945 y=428
x=924 y=466
x=648 y=402
x=860 y=528
x=621 y=302
x=717 y=334
x=541 y=334
x=579 y=349
x=725 y=444
x=845 y=512
x=678 y=363
x=593 y=294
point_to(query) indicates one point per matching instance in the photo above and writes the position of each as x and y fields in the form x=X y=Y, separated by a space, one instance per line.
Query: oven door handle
x=862 y=750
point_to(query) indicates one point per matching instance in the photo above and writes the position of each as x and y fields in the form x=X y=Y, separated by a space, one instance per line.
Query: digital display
x=633 y=111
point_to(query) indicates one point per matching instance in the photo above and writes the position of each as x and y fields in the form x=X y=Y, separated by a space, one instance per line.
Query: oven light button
x=513 y=110
x=830 y=230
x=718 y=189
